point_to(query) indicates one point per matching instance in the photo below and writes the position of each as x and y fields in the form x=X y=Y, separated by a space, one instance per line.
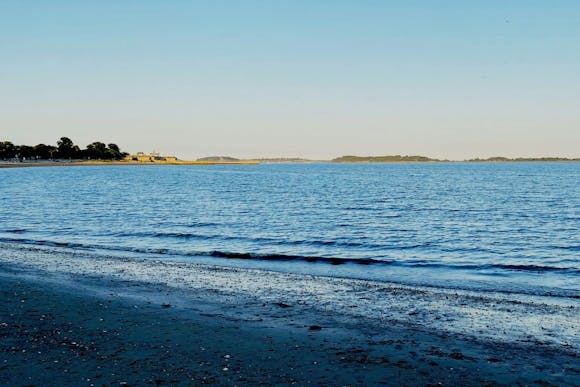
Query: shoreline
x=256 y=162
x=117 y=163
x=355 y=331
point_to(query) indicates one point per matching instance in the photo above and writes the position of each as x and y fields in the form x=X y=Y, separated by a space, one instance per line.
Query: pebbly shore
x=73 y=318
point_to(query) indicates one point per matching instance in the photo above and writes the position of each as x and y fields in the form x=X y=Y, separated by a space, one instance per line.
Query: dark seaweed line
x=299 y=258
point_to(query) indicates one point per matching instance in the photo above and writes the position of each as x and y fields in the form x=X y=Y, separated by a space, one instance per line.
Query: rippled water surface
x=502 y=226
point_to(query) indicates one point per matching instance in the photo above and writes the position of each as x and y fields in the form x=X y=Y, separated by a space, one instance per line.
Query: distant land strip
x=221 y=160
x=424 y=159
x=66 y=153
x=383 y=159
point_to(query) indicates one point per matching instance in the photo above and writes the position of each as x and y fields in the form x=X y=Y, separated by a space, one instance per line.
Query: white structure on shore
x=149 y=158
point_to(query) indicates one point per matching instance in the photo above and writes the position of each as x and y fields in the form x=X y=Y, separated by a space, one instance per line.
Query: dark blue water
x=503 y=226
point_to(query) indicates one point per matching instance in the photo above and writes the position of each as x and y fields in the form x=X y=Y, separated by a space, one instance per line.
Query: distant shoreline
x=27 y=164
x=424 y=159
x=453 y=161
x=31 y=164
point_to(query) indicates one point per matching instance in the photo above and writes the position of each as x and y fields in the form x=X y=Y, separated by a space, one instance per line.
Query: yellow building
x=152 y=157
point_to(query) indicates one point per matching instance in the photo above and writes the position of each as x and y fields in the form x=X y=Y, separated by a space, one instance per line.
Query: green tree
x=44 y=152
x=25 y=152
x=7 y=150
x=115 y=153
x=67 y=149
x=97 y=150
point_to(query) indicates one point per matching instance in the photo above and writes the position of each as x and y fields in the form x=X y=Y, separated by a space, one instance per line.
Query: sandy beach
x=84 y=319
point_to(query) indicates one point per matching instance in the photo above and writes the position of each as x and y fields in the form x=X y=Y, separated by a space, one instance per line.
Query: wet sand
x=68 y=317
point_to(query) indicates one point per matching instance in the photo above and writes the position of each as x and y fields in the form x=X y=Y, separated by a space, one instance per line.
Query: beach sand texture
x=84 y=319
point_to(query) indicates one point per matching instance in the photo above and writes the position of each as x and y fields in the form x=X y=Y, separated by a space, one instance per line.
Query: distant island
x=424 y=159
x=506 y=159
x=382 y=159
x=257 y=160
x=218 y=159
x=285 y=160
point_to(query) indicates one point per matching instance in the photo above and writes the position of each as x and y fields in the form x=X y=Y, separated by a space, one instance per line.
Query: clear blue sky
x=312 y=78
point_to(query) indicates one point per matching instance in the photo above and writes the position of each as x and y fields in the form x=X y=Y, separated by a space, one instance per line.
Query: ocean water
x=507 y=227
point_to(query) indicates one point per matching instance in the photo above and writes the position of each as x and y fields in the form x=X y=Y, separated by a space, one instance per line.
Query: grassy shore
x=71 y=319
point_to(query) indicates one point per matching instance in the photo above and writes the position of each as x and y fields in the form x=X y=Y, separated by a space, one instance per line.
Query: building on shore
x=152 y=157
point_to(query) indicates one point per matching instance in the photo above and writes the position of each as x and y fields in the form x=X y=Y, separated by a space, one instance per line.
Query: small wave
x=202 y=224
x=536 y=268
x=42 y=242
x=285 y=257
x=271 y=241
x=360 y=208
x=14 y=231
x=322 y=243
x=571 y=248
x=524 y=268
x=302 y=258
x=467 y=250
x=178 y=235
x=56 y=244
x=18 y=240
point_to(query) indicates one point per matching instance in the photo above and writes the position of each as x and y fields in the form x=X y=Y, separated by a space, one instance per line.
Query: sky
x=282 y=78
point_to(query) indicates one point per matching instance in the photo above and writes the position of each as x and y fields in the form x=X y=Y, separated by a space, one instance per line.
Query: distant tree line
x=64 y=149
